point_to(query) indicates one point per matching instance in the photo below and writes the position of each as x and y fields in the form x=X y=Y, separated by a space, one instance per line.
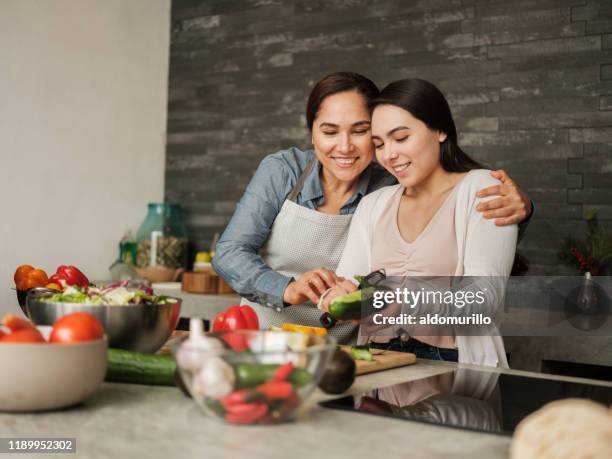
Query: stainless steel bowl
x=136 y=327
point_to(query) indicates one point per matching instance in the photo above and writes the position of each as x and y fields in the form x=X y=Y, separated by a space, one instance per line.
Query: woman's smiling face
x=341 y=135
x=404 y=145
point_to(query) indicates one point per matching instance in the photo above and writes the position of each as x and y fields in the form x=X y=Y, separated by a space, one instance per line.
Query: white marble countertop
x=131 y=421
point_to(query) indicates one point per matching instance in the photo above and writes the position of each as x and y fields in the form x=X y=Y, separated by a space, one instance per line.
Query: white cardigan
x=483 y=250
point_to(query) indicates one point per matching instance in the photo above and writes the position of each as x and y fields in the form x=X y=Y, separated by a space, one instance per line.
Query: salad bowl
x=144 y=326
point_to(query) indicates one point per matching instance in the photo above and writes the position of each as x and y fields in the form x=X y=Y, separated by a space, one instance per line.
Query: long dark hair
x=334 y=84
x=426 y=102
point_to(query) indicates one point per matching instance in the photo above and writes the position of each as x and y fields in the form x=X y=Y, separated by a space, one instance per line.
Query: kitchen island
x=131 y=421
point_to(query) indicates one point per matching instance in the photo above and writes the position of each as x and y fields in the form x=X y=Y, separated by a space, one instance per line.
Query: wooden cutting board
x=383 y=360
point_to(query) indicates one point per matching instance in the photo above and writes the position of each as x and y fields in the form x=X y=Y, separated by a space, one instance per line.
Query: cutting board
x=383 y=360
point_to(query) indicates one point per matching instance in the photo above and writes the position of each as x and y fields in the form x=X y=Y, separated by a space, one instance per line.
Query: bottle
x=124 y=268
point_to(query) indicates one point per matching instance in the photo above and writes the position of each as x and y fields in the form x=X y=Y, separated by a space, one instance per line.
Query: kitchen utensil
x=136 y=327
x=44 y=376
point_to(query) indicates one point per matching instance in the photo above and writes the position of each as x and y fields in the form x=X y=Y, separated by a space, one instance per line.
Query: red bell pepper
x=69 y=275
x=246 y=413
x=275 y=390
x=283 y=372
x=236 y=318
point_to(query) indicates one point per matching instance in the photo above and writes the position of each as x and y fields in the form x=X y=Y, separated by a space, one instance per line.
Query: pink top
x=432 y=253
x=484 y=251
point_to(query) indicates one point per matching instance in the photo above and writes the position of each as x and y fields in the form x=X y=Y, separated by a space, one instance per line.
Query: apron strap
x=300 y=182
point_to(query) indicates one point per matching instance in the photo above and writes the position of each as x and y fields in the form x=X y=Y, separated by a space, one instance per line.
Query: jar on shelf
x=162 y=243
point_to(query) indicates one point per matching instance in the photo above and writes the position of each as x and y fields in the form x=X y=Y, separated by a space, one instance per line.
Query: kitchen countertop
x=202 y=305
x=126 y=421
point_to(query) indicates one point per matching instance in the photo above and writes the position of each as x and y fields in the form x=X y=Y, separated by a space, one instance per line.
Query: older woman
x=285 y=239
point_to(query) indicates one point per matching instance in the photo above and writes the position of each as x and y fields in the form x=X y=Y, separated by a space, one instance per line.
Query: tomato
x=23 y=335
x=21 y=272
x=16 y=323
x=76 y=327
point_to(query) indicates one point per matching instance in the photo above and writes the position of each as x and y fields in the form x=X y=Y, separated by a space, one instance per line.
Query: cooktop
x=477 y=400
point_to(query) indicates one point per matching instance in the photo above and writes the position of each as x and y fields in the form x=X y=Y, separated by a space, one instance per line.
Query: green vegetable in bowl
x=254 y=374
x=113 y=295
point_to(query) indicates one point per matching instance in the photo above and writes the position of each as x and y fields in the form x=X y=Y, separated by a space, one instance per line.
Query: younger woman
x=427 y=224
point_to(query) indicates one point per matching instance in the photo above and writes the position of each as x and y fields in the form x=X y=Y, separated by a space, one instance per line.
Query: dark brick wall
x=529 y=82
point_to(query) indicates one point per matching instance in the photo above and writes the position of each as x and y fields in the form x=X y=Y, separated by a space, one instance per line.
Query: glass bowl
x=253 y=377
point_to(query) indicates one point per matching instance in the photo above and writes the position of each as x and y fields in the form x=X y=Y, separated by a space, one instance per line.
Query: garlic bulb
x=215 y=379
x=197 y=348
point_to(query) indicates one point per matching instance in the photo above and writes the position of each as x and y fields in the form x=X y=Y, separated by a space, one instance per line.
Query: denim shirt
x=237 y=259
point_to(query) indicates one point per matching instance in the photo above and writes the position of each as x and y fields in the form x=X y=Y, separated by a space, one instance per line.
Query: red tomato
x=24 y=335
x=16 y=323
x=76 y=327
x=1 y=334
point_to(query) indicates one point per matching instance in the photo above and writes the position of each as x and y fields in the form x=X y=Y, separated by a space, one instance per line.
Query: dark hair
x=426 y=102
x=335 y=83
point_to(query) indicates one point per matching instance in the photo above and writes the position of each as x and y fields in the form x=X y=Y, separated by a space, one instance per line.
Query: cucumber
x=254 y=374
x=348 y=307
x=138 y=368
x=215 y=406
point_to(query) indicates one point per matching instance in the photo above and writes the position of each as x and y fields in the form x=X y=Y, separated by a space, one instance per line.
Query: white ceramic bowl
x=39 y=376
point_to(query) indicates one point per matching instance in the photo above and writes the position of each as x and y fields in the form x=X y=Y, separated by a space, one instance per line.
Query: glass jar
x=162 y=243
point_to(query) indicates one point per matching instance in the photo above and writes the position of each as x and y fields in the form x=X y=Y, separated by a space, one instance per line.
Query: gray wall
x=529 y=82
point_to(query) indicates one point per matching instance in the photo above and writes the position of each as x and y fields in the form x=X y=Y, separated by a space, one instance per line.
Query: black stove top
x=477 y=400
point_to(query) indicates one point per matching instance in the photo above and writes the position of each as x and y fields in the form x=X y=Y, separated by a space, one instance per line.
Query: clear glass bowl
x=253 y=377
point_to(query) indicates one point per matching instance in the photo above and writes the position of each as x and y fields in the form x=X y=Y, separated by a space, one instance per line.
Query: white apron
x=302 y=239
